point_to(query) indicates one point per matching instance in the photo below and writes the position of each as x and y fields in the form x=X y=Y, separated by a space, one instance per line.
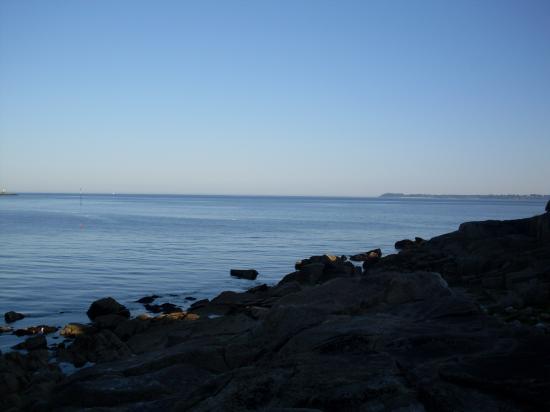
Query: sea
x=60 y=252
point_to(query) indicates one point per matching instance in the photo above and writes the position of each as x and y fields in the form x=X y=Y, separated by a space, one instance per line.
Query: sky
x=343 y=98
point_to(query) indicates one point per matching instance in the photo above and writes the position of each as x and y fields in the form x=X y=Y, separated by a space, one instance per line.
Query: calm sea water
x=58 y=253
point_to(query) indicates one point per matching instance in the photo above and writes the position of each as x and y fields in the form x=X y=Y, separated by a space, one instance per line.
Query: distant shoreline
x=491 y=196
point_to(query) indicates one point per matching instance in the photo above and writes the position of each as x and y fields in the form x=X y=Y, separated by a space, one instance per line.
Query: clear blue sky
x=275 y=97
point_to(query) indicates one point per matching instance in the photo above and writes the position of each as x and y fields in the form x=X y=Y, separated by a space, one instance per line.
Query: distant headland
x=490 y=196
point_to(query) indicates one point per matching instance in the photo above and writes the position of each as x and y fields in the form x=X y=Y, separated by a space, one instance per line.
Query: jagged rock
x=324 y=259
x=102 y=346
x=371 y=255
x=33 y=343
x=107 y=306
x=250 y=274
x=547 y=208
x=12 y=316
x=5 y=329
x=320 y=269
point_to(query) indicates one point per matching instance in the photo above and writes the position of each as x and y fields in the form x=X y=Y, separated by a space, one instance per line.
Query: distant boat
x=4 y=193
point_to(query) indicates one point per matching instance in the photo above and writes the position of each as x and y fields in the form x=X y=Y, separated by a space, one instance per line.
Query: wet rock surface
x=451 y=324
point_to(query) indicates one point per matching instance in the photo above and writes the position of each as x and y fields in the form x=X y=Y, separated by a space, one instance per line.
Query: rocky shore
x=460 y=322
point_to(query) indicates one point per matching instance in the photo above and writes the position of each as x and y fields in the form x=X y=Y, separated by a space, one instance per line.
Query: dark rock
x=167 y=308
x=372 y=258
x=323 y=259
x=371 y=255
x=164 y=308
x=547 y=208
x=404 y=244
x=12 y=316
x=35 y=330
x=5 y=329
x=33 y=343
x=153 y=308
x=199 y=304
x=107 y=306
x=128 y=328
x=320 y=269
x=103 y=346
x=190 y=298
x=108 y=321
x=258 y=289
x=250 y=274
x=147 y=299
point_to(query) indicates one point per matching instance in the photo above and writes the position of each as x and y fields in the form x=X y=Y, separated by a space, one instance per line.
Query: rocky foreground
x=457 y=323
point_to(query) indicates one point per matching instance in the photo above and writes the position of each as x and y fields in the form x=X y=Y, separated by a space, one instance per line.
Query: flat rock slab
x=250 y=274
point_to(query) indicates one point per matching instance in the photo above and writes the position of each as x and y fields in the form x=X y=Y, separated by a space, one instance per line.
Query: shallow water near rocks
x=59 y=252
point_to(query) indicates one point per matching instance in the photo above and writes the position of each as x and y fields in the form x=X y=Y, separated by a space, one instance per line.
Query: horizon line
x=387 y=195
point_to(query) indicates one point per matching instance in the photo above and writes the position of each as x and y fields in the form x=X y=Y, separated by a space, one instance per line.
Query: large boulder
x=547 y=209
x=107 y=306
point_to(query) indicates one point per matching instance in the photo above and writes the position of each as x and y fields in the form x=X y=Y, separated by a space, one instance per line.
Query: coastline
x=459 y=322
